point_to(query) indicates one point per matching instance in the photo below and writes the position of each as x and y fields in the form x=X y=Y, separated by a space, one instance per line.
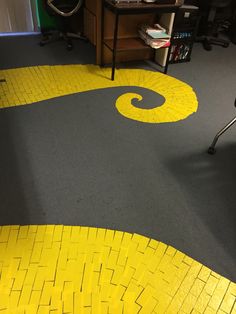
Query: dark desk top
x=126 y=8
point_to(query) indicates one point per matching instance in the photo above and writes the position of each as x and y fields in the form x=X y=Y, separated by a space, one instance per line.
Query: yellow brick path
x=62 y=269
x=32 y=84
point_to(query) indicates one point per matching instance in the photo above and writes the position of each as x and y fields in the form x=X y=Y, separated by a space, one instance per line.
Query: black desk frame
x=130 y=9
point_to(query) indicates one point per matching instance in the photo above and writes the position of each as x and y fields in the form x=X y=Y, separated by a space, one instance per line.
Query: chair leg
x=219 y=41
x=49 y=37
x=68 y=41
x=77 y=36
x=211 y=149
x=207 y=44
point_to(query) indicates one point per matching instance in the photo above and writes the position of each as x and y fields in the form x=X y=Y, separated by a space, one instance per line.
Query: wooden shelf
x=126 y=44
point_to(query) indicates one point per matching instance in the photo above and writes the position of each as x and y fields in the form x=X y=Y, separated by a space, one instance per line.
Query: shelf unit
x=116 y=44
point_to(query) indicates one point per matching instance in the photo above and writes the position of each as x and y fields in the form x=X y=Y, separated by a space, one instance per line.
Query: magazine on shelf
x=156 y=31
x=152 y=42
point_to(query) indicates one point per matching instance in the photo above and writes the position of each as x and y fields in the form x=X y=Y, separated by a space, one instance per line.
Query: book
x=159 y=35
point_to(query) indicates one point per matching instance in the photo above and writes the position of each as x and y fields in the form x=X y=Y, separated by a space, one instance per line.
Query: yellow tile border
x=33 y=84
x=65 y=269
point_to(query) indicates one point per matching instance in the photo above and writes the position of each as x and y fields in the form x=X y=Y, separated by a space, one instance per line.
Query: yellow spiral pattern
x=80 y=270
x=32 y=84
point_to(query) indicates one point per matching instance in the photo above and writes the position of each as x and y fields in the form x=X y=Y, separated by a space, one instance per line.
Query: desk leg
x=114 y=46
x=102 y=32
x=167 y=60
x=169 y=49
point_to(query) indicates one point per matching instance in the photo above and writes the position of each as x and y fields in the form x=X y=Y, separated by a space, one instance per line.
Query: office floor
x=72 y=161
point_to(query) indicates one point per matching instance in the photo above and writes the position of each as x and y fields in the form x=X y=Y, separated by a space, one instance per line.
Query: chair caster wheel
x=69 y=47
x=211 y=150
x=207 y=47
x=226 y=45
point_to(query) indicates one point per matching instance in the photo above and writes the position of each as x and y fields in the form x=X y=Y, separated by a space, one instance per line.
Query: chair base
x=213 y=26
x=50 y=37
x=208 y=41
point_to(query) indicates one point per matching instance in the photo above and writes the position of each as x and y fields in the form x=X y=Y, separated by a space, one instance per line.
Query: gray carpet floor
x=75 y=160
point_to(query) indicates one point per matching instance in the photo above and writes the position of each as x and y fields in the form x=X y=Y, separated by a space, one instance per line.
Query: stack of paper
x=155 y=36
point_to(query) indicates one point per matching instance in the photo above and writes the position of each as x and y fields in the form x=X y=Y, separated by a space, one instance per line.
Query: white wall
x=17 y=16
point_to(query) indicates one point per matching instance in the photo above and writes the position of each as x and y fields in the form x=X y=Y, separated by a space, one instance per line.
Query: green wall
x=44 y=19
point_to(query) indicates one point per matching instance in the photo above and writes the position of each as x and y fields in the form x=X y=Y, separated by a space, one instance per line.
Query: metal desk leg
x=114 y=46
x=169 y=52
x=102 y=31
x=167 y=60
x=169 y=49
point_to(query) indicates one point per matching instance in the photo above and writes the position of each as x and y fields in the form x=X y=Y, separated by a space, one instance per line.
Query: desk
x=115 y=44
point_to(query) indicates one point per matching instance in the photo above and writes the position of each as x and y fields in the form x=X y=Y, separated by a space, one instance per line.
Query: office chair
x=211 y=149
x=62 y=10
x=210 y=37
